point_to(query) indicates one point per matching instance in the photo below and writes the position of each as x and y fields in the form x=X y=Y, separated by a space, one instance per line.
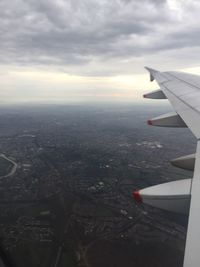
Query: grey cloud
x=78 y=32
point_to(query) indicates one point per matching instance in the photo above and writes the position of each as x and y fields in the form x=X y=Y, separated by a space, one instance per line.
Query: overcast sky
x=93 y=50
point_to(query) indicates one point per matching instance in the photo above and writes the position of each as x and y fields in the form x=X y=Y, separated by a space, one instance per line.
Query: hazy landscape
x=67 y=173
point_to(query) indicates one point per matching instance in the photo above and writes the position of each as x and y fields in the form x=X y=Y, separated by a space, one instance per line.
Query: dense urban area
x=67 y=174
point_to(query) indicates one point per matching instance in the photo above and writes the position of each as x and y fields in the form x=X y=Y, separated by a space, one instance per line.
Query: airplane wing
x=183 y=91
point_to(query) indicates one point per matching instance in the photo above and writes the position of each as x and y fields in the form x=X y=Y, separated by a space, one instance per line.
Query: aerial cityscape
x=78 y=161
x=67 y=173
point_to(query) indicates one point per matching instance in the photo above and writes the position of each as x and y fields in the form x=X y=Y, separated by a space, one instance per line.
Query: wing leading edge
x=183 y=91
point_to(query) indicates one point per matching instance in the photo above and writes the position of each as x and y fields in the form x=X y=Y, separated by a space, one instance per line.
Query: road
x=14 y=168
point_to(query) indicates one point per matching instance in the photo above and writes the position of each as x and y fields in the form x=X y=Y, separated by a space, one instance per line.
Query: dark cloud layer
x=75 y=33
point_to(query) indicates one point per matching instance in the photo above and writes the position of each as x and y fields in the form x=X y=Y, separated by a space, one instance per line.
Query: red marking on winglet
x=137 y=196
x=149 y=122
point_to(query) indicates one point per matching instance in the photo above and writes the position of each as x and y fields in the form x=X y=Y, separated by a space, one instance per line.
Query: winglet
x=152 y=73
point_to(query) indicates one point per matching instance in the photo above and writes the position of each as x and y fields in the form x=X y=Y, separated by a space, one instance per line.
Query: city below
x=67 y=174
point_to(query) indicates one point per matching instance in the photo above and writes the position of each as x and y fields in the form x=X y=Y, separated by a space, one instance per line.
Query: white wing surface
x=183 y=91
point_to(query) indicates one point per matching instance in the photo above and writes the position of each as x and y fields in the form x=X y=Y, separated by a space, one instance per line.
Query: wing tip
x=152 y=73
x=150 y=69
